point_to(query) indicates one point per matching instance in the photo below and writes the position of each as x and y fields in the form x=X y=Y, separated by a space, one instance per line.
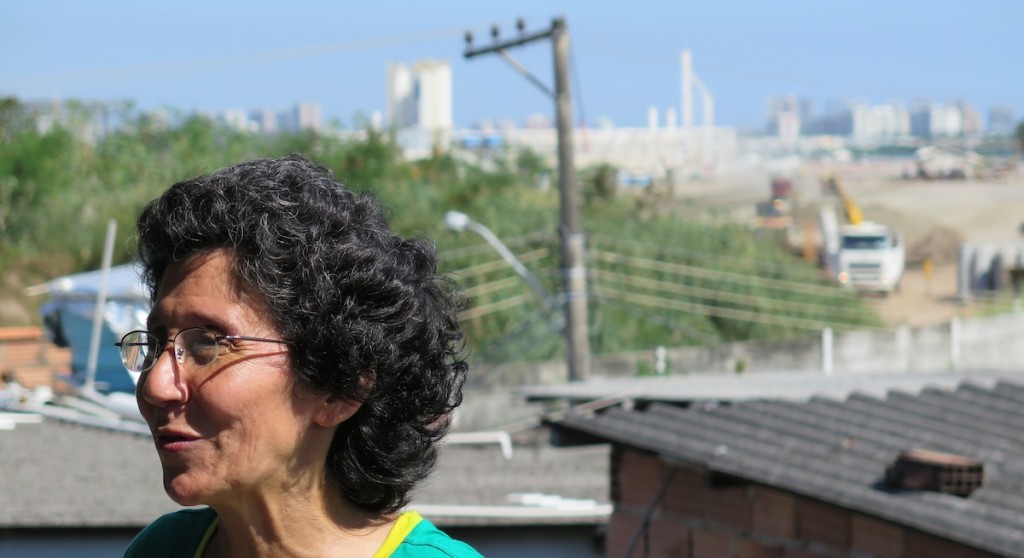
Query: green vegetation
x=662 y=273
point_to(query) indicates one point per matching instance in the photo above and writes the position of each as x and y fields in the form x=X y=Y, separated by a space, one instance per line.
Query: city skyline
x=233 y=55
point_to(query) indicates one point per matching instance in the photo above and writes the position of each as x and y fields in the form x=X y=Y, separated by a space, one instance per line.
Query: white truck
x=860 y=254
x=868 y=257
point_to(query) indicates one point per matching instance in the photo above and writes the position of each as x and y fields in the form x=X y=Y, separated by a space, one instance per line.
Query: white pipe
x=101 y=301
x=652 y=118
x=597 y=511
x=954 y=343
x=826 y=351
x=687 y=86
x=486 y=437
x=708 y=106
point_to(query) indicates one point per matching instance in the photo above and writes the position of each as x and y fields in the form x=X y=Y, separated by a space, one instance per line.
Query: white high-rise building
x=788 y=126
x=309 y=116
x=303 y=116
x=420 y=96
x=265 y=119
x=1001 y=120
x=879 y=122
x=973 y=123
x=783 y=112
x=236 y=119
x=936 y=120
x=401 y=112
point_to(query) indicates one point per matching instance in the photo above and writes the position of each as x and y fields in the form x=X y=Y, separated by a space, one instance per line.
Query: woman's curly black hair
x=365 y=311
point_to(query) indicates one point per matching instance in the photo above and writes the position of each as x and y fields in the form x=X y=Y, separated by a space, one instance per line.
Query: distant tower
x=421 y=96
x=399 y=112
x=309 y=116
x=689 y=81
x=303 y=116
x=433 y=92
x=687 y=69
x=1001 y=120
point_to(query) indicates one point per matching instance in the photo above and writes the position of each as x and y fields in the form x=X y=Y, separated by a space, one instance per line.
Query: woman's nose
x=162 y=384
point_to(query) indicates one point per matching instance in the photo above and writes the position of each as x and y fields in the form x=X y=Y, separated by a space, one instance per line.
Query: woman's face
x=239 y=425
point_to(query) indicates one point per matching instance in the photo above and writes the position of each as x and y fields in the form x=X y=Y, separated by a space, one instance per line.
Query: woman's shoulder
x=174 y=535
x=427 y=541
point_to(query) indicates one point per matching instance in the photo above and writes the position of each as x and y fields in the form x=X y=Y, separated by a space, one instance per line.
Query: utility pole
x=574 y=271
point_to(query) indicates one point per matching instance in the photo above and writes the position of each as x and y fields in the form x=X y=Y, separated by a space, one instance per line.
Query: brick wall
x=31 y=357
x=690 y=514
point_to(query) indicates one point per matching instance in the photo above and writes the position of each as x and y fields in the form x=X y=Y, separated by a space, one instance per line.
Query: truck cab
x=870 y=257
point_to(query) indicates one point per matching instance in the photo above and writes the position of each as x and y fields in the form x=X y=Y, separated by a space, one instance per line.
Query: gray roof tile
x=837 y=451
x=63 y=473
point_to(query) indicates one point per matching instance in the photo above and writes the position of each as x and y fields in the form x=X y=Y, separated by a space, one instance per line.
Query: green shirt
x=184 y=534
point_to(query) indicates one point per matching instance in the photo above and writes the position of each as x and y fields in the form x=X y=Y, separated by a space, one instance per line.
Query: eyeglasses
x=197 y=345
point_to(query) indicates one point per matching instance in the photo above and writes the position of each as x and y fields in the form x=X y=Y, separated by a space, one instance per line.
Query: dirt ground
x=922 y=300
x=936 y=217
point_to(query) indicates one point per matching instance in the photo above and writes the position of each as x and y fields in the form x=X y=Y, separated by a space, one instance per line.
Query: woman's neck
x=315 y=521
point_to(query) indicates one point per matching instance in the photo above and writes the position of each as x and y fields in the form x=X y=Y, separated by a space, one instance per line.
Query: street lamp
x=458 y=221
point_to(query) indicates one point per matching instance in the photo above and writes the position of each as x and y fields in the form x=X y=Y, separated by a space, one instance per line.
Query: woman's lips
x=174 y=442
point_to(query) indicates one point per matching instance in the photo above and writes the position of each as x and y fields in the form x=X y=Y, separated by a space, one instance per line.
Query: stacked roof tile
x=837 y=451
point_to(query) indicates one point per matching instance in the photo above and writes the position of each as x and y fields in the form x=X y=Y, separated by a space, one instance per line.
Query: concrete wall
x=696 y=519
x=992 y=342
x=984 y=343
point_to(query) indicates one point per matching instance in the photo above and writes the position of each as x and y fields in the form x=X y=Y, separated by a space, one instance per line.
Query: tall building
x=972 y=123
x=265 y=119
x=401 y=111
x=309 y=116
x=931 y=120
x=838 y=118
x=783 y=115
x=1001 y=120
x=805 y=108
x=873 y=123
x=303 y=116
x=236 y=119
x=420 y=96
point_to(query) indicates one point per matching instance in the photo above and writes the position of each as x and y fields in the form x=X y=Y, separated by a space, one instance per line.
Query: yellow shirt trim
x=401 y=529
x=206 y=537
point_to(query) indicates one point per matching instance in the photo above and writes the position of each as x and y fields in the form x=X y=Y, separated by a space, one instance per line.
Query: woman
x=300 y=364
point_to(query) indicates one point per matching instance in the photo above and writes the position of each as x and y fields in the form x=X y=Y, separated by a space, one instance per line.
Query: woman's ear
x=334 y=410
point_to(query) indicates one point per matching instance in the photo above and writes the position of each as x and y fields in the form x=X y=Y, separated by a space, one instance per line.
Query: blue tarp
x=68 y=317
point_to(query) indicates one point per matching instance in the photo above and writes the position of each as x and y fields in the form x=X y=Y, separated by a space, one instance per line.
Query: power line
x=221 y=62
x=729 y=313
x=663 y=321
x=516 y=334
x=737 y=298
x=504 y=304
x=485 y=248
x=499 y=264
x=714 y=274
x=740 y=263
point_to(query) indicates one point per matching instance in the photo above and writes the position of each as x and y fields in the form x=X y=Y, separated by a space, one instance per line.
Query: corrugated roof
x=836 y=450
x=58 y=473
x=63 y=472
x=475 y=485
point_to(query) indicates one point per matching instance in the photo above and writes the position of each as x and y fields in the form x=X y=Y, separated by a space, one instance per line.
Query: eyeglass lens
x=139 y=349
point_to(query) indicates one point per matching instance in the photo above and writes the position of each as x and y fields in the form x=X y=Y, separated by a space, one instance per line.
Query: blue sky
x=232 y=54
